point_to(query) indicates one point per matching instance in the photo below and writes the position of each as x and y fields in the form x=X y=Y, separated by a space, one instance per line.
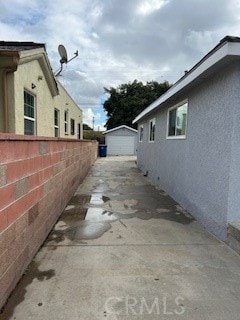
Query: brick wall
x=38 y=176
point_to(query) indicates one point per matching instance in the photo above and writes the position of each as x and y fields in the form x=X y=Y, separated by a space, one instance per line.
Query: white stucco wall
x=201 y=172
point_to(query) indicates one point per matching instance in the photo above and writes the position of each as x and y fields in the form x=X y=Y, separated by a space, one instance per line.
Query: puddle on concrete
x=87 y=230
x=78 y=210
x=99 y=214
x=84 y=199
x=97 y=199
x=88 y=216
x=98 y=221
x=102 y=187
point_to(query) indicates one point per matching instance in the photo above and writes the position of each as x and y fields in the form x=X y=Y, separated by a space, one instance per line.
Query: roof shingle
x=20 y=46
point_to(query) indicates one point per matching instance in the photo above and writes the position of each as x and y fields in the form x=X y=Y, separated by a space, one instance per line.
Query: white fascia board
x=120 y=127
x=229 y=48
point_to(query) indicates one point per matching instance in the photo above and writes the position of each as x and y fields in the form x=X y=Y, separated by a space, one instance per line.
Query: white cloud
x=119 y=41
x=148 y=6
x=88 y=117
x=92 y=118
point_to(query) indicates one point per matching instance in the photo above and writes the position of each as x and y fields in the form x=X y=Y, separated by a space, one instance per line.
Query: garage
x=121 y=141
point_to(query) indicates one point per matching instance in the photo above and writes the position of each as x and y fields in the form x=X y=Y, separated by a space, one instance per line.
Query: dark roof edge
x=21 y=45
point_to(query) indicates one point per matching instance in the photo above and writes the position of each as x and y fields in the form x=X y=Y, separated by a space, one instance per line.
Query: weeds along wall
x=38 y=176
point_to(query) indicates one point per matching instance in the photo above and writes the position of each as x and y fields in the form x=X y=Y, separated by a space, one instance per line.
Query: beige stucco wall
x=31 y=73
x=23 y=78
x=6 y=63
x=64 y=102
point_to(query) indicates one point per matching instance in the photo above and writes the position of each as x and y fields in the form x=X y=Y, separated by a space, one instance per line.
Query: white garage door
x=120 y=145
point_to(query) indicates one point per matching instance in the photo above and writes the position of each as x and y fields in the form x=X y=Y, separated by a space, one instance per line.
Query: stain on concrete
x=45 y=275
x=146 y=215
x=80 y=199
x=56 y=236
x=32 y=273
x=76 y=213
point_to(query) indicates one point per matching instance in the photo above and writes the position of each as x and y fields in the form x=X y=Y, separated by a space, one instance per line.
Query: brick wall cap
x=19 y=137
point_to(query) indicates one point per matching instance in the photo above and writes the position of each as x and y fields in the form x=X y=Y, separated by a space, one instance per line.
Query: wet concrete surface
x=110 y=201
x=123 y=249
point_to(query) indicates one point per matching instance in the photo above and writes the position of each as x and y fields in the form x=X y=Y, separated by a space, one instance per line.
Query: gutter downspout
x=5 y=73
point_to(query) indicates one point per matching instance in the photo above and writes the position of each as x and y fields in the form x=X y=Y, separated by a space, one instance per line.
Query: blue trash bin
x=102 y=150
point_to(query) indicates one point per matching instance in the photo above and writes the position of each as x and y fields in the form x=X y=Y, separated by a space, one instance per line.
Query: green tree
x=86 y=127
x=127 y=100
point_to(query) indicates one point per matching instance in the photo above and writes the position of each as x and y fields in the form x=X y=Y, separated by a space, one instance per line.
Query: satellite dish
x=64 y=59
x=63 y=53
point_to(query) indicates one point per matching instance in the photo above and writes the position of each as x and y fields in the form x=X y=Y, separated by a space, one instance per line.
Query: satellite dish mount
x=64 y=58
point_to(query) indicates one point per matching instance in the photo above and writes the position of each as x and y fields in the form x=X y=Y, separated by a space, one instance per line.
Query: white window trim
x=29 y=118
x=79 y=130
x=35 y=111
x=149 y=129
x=182 y=137
x=57 y=126
x=66 y=122
x=73 y=132
x=141 y=127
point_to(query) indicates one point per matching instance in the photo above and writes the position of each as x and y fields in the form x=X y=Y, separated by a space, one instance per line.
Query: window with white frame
x=29 y=113
x=72 y=127
x=152 y=123
x=66 y=121
x=56 y=122
x=177 y=121
x=79 y=130
x=141 y=133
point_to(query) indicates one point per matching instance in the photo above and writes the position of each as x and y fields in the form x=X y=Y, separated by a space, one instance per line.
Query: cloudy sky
x=119 y=40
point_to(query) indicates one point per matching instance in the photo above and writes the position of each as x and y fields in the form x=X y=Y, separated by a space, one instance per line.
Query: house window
x=177 y=121
x=152 y=130
x=72 y=127
x=29 y=113
x=56 y=122
x=141 y=133
x=66 y=130
x=79 y=130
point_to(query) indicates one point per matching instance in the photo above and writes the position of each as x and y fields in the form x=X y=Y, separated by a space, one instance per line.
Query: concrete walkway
x=125 y=250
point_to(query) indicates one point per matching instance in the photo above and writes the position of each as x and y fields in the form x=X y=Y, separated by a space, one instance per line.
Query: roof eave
x=224 y=49
x=120 y=127
x=41 y=55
